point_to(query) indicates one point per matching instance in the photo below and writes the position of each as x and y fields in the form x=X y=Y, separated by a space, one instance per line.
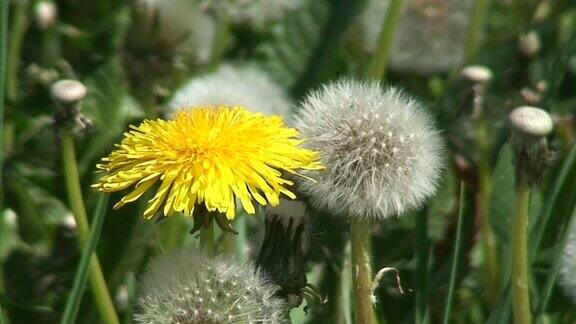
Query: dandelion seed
x=165 y=278
x=207 y=156
x=230 y=86
x=356 y=182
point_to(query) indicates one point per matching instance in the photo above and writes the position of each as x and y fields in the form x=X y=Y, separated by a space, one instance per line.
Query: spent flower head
x=429 y=38
x=187 y=287
x=380 y=148
x=245 y=86
x=206 y=156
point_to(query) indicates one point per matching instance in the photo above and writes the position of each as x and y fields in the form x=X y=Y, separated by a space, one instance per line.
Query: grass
x=132 y=70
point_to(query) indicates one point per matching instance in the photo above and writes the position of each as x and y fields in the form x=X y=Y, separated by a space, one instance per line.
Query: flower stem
x=17 y=31
x=520 y=292
x=376 y=68
x=97 y=281
x=489 y=240
x=361 y=273
x=73 y=302
x=479 y=14
x=207 y=239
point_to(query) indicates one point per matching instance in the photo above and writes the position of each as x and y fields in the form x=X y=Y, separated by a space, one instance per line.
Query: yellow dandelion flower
x=206 y=155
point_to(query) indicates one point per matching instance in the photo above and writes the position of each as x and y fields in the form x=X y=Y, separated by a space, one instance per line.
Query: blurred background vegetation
x=133 y=55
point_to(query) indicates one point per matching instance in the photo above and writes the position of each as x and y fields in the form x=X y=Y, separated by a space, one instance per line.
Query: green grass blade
x=553 y=272
x=73 y=303
x=455 y=258
x=422 y=259
x=561 y=189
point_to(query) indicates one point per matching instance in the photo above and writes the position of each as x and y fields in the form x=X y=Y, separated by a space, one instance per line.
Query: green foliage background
x=38 y=250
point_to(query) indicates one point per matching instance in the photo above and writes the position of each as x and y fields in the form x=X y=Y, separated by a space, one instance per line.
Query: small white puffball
x=380 y=148
x=531 y=121
x=244 y=86
x=68 y=91
x=188 y=287
x=45 y=14
x=530 y=43
x=477 y=73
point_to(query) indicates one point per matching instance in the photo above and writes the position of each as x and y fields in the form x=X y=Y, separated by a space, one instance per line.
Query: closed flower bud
x=530 y=126
x=68 y=92
x=477 y=74
x=381 y=150
x=45 y=14
x=187 y=287
x=530 y=44
x=281 y=254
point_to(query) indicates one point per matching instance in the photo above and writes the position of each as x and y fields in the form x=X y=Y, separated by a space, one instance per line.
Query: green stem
x=376 y=68
x=97 y=281
x=19 y=25
x=520 y=288
x=73 y=302
x=422 y=256
x=3 y=52
x=207 y=239
x=489 y=240
x=172 y=232
x=361 y=272
x=477 y=23
x=455 y=258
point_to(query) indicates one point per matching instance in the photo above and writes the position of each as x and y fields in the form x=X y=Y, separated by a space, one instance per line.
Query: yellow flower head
x=206 y=155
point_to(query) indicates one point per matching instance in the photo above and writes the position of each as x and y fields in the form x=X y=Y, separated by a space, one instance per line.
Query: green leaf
x=293 y=43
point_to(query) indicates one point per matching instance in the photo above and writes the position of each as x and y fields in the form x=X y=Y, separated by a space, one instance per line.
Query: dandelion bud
x=477 y=74
x=380 y=148
x=530 y=44
x=529 y=129
x=281 y=254
x=187 y=287
x=68 y=92
x=567 y=272
x=45 y=14
x=234 y=86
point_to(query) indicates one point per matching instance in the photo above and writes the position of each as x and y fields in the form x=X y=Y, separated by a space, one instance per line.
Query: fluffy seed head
x=531 y=121
x=187 y=287
x=229 y=85
x=429 y=37
x=380 y=148
x=568 y=266
x=68 y=91
x=477 y=73
x=177 y=24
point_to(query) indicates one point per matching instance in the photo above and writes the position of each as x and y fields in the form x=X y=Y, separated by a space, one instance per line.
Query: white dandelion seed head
x=567 y=271
x=254 y=14
x=181 y=22
x=429 y=37
x=380 y=148
x=244 y=86
x=187 y=287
